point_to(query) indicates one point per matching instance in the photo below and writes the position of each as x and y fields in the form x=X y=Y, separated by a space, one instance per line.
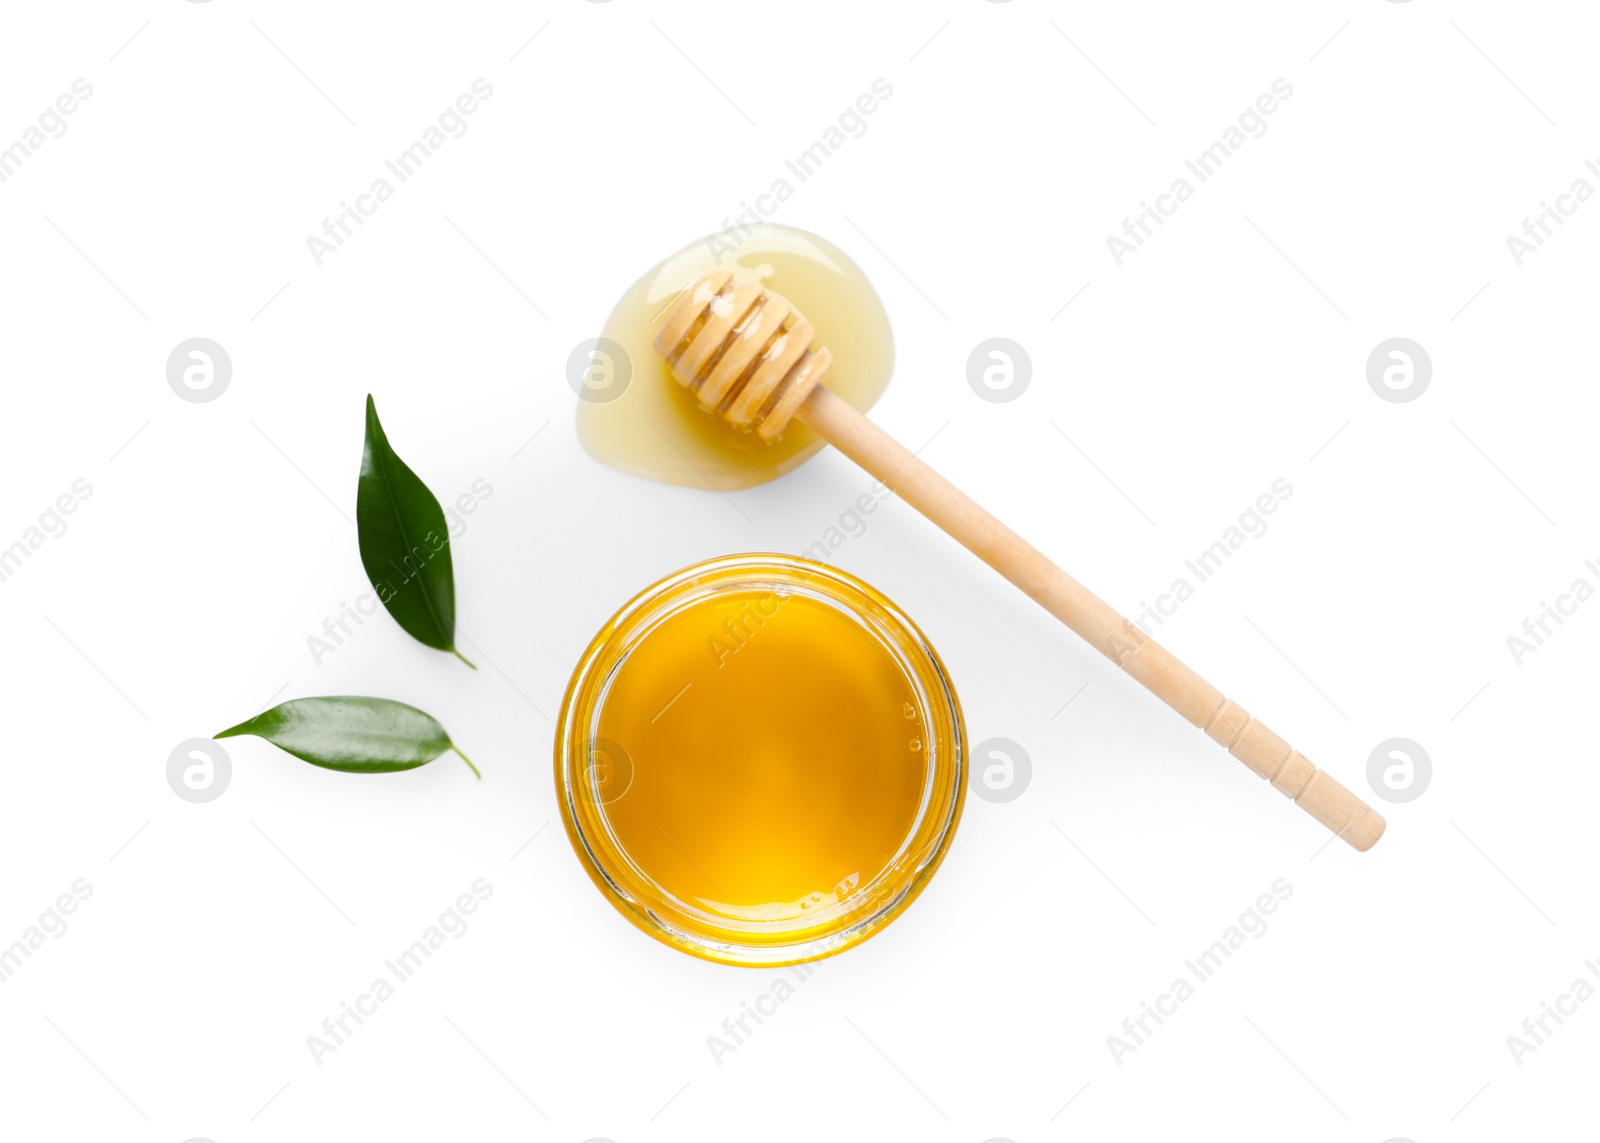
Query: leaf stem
x=465 y=759
x=465 y=660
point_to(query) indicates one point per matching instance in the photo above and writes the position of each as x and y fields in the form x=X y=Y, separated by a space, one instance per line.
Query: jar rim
x=757 y=943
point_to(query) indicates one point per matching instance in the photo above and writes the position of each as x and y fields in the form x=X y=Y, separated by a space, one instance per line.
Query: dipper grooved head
x=743 y=351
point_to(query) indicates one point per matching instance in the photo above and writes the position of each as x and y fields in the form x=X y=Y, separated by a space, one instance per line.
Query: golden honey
x=760 y=760
x=654 y=427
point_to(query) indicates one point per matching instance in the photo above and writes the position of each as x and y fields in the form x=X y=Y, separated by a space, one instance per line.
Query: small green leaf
x=356 y=735
x=405 y=543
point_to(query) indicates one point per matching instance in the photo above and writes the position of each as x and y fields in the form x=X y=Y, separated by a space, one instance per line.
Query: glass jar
x=824 y=740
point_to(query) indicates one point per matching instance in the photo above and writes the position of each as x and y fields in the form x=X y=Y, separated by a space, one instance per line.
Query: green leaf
x=405 y=543
x=356 y=735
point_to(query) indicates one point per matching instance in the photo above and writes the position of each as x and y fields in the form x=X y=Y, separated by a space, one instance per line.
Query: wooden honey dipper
x=748 y=356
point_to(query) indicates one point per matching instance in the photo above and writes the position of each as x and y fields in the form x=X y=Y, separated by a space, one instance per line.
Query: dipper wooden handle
x=747 y=354
x=1224 y=721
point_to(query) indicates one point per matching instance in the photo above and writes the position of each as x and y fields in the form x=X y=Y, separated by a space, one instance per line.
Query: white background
x=1229 y=352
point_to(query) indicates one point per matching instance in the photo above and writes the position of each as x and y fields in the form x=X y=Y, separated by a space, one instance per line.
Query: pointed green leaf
x=405 y=543
x=356 y=735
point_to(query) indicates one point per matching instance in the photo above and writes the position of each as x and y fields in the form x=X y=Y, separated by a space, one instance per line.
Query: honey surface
x=656 y=429
x=777 y=755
